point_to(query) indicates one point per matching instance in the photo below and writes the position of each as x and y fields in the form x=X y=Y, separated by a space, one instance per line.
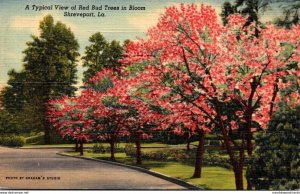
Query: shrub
x=180 y=155
x=276 y=162
x=13 y=141
x=99 y=148
x=216 y=160
x=130 y=150
x=157 y=155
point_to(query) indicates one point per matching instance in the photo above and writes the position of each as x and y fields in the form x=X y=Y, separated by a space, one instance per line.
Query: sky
x=18 y=24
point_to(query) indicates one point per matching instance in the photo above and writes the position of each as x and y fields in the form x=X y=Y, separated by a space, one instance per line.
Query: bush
x=180 y=155
x=130 y=150
x=158 y=155
x=276 y=162
x=13 y=141
x=216 y=160
x=98 y=148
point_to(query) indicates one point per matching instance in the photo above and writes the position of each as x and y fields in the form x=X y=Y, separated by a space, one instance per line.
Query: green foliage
x=50 y=62
x=167 y=136
x=12 y=141
x=12 y=96
x=57 y=139
x=179 y=155
x=276 y=162
x=11 y=123
x=290 y=15
x=248 y=8
x=98 y=148
x=101 y=54
x=136 y=68
x=130 y=150
x=105 y=84
x=227 y=9
x=49 y=72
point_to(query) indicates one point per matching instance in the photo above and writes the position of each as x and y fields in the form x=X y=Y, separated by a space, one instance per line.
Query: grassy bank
x=213 y=177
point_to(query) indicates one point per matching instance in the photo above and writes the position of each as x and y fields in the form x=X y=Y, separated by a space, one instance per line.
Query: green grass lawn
x=122 y=145
x=56 y=145
x=216 y=178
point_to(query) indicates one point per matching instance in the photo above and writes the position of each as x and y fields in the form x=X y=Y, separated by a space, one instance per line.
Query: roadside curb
x=156 y=174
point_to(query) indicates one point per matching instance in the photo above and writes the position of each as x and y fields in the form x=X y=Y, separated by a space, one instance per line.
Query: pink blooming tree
x=195 y=64
x=116 y=111
x=68 y=117
x=171 y=111
x=108 y=114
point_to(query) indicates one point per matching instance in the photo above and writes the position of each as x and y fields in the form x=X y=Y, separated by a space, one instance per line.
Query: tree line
x=50 y=71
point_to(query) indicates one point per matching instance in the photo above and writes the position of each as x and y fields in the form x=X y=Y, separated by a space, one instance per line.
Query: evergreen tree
x=291 y=14
x=227 y=9
x=249 y=8
x=11 y=123
x=12 y=96
x=93 y=58
x=276 y=162
x=101 y=54
x=50 y=69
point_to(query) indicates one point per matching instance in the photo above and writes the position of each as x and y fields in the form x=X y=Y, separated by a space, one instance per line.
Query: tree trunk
x=249 y=144
x=249 y=153
x=138 y=148
x=81 y=148
x=188 y=145
x=47 y=131
x=238 y=174
x=199 y=155
x=112 y=150
x=46 y=123
x=76 y=146
x=249 y=141
x=237 y=169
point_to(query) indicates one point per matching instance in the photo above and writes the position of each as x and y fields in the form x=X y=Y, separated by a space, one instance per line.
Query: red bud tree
x=68 y=117
x=196 y=64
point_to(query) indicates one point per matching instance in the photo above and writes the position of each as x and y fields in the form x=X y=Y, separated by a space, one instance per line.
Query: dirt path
x=44 y=169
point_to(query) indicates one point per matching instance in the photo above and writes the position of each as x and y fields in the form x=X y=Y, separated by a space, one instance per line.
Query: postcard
x=149 y=95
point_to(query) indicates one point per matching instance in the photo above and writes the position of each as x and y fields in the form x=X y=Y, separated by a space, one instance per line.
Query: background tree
x=49 y=68
x=291 y=11
x=12 y=101
x=276 y=162
x=250 y=8
x=93 y=58
x=11 y=123
x=12 y=96
x=101 y=54
x=227 y=9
